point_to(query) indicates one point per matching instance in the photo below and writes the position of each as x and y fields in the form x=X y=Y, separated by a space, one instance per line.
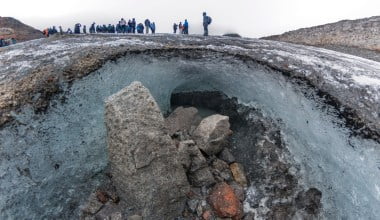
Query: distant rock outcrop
x=343 y=36
x=13 y=28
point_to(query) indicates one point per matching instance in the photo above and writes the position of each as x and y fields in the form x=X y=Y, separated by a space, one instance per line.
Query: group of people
x=7 y=42
x=128 y=27
x=183 y=28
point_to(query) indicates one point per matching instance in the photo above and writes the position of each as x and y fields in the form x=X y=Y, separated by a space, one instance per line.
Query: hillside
x=13 y=28
x=358 y=37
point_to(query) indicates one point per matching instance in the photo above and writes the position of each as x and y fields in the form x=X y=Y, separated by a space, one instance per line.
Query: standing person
x=206 y=22
x=147 y=26
x=123 y=25
x=133 y=25
x=153 y=27
x=180 y=28
x=175 y=26
x=84 y=29
x=140 y=28
x=186 y=27
x=129 y=26
x=77 y=28
x=60 y=30
x=92 y=28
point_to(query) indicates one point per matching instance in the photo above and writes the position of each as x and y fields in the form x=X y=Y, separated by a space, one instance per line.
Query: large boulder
x=212 y=133
x=144 y=161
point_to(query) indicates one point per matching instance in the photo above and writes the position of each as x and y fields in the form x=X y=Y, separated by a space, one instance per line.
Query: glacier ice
x=50 y=162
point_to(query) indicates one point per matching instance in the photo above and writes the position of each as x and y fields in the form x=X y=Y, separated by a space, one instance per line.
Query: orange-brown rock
x=225 y=202
x=207 y=215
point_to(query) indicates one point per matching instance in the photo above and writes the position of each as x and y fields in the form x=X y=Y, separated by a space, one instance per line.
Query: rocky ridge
x=357 y=37
x=12 y=28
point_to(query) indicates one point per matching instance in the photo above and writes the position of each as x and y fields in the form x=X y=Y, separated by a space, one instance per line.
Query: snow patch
x=366 y=80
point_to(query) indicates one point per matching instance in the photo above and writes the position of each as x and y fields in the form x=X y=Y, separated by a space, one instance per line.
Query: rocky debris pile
x=274 y=190
x=190 y=174
x=217 y=181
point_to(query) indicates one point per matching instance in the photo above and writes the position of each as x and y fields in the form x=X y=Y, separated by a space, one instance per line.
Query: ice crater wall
x=50 y=162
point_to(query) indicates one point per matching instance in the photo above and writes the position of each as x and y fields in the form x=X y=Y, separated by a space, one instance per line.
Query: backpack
x=209 y=20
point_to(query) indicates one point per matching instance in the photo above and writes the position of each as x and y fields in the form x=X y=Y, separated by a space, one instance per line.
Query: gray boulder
x=182 y=119
x=144 y=161
x=212 y=133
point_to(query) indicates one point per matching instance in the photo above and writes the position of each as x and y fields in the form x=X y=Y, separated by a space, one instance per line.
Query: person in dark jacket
x=175 y=26
x=2 y=42
x=206 y=23
x=60 y=30
x=92 y=28
x=147 y=26
x=84 y=29
x=180 y=26
x=186 y=27
x=133 y=25
x=77 y=28
x=140 y=28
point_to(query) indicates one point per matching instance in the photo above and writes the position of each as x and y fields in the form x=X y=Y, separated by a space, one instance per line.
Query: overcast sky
x=250 y=18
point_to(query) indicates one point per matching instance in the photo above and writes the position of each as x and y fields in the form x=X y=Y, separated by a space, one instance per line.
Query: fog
x=250 y=18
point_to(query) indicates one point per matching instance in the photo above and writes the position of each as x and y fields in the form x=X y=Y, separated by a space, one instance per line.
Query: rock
x=102 y=196
x=201 y=177
x=93 y=205
x=249 y=216
x=227 y=156
x=212 y=133
x=238 y=173
x=117 y=216
x=144 y=162
x=187 y=150
x=207 y=215
x=310 y=201
x=239 y=190
x=181 y=119
x=135 y=217
x=220 y=165
x=192 y=204
x=224 y=202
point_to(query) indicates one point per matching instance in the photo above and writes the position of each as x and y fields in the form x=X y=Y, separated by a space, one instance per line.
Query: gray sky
x=250 y=18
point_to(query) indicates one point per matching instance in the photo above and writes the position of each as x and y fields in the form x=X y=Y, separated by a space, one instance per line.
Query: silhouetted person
x=2 y=43
x=175 y=26
x=84 y=29
x=77 y=28
x=147 y=26
x=206 y=22
x=60 y=30
x=69 y=31
x=133 y=25
x=92 y=28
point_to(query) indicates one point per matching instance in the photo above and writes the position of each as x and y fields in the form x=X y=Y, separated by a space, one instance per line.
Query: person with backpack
x=206 y=22
x=140 y=28
x=153 y=27
x=147 y=25
x=186 y=27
